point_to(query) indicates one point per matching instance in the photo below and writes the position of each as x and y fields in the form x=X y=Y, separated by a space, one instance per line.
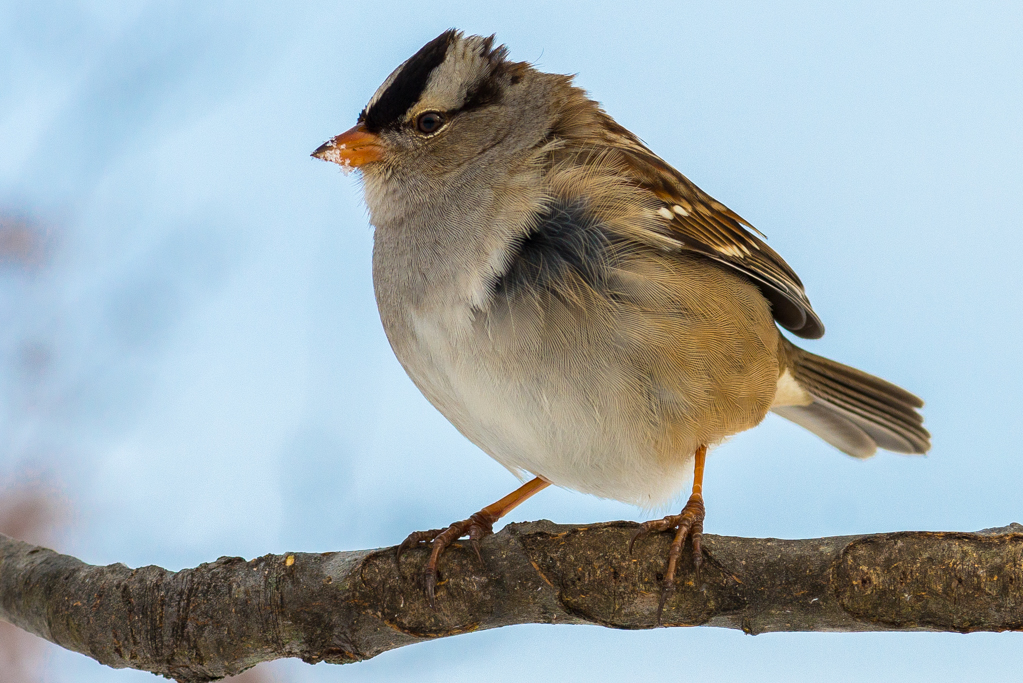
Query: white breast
x=534 y=417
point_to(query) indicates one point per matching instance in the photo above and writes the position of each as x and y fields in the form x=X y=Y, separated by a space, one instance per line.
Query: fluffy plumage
x=572 y=303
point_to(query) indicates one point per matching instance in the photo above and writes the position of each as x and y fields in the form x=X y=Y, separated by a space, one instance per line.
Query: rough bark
x=220 y=618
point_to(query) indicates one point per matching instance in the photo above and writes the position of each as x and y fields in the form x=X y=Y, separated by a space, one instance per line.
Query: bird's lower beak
x=351 y=149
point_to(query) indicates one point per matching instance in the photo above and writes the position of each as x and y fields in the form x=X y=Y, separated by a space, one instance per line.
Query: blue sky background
x=198 y=360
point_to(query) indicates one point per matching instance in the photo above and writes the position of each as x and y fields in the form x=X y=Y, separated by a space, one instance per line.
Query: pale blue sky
x=216 y=381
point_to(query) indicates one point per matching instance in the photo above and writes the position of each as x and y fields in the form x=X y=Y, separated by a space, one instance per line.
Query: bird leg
x=476 y=527
x=687 y=524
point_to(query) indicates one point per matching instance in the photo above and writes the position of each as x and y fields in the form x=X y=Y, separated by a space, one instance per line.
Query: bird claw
x=654 y=525
x=414 y=539
x=476 y=527
x=688 y=524
x=475 y=542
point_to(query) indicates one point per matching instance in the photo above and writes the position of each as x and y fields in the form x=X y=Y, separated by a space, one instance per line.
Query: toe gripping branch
x=478 y=526
x=687 y=524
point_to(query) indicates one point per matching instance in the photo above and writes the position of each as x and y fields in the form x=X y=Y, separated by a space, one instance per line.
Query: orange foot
x=476 y=527
x=687 y=524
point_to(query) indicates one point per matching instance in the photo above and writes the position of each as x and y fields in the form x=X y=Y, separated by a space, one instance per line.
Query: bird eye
x=429 y=122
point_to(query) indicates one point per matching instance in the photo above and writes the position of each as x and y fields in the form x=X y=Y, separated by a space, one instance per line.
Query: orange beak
x=351 y=149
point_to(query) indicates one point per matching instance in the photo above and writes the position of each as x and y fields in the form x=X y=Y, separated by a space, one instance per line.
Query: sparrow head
x=458 y=100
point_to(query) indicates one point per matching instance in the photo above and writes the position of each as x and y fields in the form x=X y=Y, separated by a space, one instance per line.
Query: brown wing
x=704 y=225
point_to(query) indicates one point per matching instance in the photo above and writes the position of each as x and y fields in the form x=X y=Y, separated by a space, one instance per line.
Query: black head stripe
x=487 y=89
x=408 y=85
x=484 y=92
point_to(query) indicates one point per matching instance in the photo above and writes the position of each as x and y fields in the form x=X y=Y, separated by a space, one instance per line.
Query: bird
x=576 y=307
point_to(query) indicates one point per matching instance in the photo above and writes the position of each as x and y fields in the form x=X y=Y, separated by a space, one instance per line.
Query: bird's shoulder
x=622 y=178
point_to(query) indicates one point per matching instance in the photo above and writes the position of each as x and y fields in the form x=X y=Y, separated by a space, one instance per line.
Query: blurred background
x=191 y=363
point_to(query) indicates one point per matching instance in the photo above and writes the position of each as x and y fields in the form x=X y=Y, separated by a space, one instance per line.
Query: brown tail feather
x=853 y=411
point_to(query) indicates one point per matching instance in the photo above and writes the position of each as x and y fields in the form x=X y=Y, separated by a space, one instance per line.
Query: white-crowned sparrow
x=574 y=305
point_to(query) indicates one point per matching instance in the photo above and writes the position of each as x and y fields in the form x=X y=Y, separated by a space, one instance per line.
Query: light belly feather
x=557 y=415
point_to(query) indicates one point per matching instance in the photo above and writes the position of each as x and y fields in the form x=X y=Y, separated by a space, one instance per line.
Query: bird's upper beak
x=353 y=148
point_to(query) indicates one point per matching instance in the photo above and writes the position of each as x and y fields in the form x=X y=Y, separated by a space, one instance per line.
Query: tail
x=855 y=412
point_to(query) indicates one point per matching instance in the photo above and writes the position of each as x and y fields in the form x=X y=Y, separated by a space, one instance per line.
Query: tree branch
x=221 y=618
